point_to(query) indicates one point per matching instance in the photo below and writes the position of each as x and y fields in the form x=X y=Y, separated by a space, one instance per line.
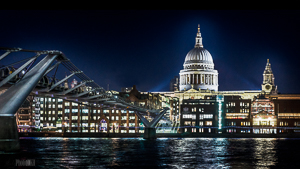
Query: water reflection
x=265 y=152
x=161 y=153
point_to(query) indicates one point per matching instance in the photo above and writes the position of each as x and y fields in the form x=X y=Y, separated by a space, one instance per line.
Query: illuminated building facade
x=199 y=115
x=25 y=117
x=60 y=115
x=50 y=114
x=247 y=111
x=196 y=106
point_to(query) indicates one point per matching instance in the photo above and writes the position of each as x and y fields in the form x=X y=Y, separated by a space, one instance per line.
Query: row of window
x=50 y=112
x=201 y=130
x=201 y=103
x=49 y=105
x=243 y=123
x=232 y=110
x=242 y=104
x=122 y=117
x=201 y=123
x=234 y=130
x=86 y=125
x=41 y=99
x=193 y=116
x=86 y=118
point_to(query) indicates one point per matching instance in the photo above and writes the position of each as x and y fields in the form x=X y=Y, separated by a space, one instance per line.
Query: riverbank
x=159 y=135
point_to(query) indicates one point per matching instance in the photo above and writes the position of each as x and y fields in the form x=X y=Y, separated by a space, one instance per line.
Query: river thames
x=54 y=152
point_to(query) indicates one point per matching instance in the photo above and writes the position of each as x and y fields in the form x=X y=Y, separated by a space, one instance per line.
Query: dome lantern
x=198 y=43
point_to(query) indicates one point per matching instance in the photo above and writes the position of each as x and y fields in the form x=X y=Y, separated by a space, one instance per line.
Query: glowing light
x=220 y=99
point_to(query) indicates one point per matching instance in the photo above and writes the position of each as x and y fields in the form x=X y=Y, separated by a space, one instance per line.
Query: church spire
x=198 y=39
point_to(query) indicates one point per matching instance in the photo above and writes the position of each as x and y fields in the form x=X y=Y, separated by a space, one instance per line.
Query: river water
x=161 y=153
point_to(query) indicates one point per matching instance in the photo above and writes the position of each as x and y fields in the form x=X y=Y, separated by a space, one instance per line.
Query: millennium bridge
x=28 y=78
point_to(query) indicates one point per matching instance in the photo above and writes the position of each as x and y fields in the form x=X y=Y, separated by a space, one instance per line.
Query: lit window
x=201 y=116
x=187 y=123
x=208 y=116
x=74 y=117
x=208 y=123
x=189 y=116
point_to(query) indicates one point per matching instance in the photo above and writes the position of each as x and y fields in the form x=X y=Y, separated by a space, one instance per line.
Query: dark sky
x=147 y=48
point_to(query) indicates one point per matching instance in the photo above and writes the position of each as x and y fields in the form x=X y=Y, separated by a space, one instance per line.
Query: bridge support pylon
x=150 y=133
x=9 y=137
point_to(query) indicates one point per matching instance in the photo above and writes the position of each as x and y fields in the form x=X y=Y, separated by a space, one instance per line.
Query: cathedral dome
x=198 y=69
x=198 y=55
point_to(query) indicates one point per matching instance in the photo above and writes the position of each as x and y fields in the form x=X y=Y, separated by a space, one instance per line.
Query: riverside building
x=196 y=105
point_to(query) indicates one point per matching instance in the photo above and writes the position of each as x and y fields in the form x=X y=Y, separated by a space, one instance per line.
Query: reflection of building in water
x=264 y=151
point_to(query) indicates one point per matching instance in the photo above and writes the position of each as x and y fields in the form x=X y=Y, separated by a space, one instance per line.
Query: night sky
x=147 y=48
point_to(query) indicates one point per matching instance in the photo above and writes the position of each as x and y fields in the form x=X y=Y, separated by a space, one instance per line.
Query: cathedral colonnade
x=199 y=80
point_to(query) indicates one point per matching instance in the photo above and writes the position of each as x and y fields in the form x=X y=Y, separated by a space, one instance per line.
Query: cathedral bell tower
x=268 y=84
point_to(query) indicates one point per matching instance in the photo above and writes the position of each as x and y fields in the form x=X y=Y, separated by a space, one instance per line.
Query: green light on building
x=220 y=100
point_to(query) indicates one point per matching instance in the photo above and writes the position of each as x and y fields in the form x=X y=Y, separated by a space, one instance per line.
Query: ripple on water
x=161 y=153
